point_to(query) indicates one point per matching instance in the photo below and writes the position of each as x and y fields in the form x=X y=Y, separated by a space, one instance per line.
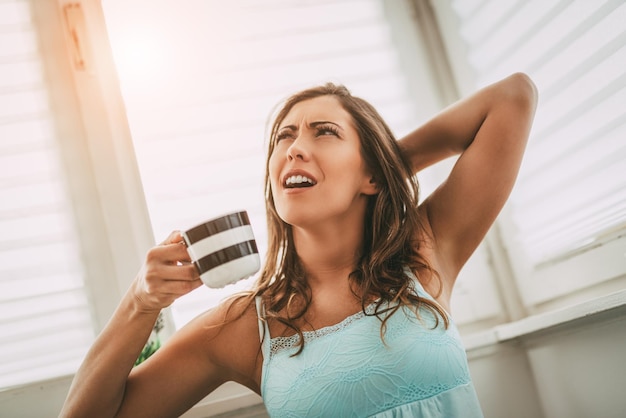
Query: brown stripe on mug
x=225 y=255
x=221 y=224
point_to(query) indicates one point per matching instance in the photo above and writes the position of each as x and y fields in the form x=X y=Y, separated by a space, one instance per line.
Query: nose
x=298 y=150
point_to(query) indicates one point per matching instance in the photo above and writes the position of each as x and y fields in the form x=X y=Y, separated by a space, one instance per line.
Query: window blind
x=199 y=133
x=45 y=319
x=567 y=214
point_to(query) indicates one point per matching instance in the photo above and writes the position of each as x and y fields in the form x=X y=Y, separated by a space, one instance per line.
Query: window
x=73 y=234
x=45 y=316
x=564 y=225
x=199 y=82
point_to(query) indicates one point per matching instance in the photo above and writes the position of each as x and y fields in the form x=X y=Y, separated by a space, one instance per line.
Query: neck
x=330 y=253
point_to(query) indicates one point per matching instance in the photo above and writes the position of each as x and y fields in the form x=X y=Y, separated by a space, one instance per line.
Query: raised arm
x=180 y=373
x=490 y=130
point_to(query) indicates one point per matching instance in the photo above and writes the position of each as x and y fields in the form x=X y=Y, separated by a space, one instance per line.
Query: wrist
x=136 y=303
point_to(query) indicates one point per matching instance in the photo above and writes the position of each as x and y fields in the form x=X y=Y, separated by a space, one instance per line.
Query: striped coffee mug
x=223 y=249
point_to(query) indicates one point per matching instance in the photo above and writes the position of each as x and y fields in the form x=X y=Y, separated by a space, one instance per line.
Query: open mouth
x=293 y=182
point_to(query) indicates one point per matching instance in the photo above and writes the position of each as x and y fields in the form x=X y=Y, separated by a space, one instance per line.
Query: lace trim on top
x=283 y=343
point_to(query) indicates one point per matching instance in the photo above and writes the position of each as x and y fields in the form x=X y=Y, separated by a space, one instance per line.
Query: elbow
x=522 y=90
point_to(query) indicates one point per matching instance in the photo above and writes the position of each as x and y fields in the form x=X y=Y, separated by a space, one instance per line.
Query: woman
x=349 y=316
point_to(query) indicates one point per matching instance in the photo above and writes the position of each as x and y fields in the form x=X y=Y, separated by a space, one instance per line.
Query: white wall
x=504 y=381
x=570 y=370
x=35 y=401
x=581 y=372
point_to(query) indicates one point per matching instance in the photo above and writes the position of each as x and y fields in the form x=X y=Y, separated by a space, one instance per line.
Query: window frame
x=114 y=228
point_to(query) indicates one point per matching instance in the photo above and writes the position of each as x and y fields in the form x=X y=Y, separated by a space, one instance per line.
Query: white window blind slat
x=512 y=32
x=279 y=19
x=30 y=287
x=584 y=48
x=597 y=122
x=53 y=339
x=33 y=161
x=45 y=252
x=29 y=366
x=570 y=196
x=18 y=196
x=551 y=39
x=202 y=178
x=271 y=81
x=50 y=225
x=21 y=102
x=17 y=43
x=267 y=51
x=40 y=305
x=21 y=72
x=68 y=318
x=486 y=19
x=27 y=355
x=13 y=12
x=602 y=81
x=237 y=146
x=58 y=363
x=45 y=319
x=588 y=157
x=25 y=133
x=465 y=8
x=542 y=243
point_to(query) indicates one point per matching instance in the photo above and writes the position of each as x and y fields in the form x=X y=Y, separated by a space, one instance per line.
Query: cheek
x=273 y=169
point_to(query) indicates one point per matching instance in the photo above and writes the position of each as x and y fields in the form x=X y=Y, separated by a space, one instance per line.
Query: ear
x=370 y=187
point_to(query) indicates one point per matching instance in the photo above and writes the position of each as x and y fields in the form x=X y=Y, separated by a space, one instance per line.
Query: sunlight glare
x=140 y=58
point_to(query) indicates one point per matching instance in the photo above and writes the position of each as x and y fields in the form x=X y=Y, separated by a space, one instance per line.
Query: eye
x=284 y=135
x=327 y=130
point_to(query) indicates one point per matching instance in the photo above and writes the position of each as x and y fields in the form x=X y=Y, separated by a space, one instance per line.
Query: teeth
x=298 y=180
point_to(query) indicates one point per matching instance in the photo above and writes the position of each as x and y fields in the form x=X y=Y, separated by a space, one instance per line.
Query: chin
x=296 y=218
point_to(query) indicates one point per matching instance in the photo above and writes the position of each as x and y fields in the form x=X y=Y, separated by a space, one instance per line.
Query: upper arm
x=496 y=123
x=214 y=348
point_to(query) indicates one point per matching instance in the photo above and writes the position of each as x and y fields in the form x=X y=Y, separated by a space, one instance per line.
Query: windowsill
x=608 y=306
x=227 y=398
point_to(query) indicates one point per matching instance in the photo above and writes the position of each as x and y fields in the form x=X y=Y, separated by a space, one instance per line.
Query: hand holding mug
x=167 y=274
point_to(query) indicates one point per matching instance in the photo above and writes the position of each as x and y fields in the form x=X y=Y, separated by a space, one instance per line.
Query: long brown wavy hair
x=393 y=230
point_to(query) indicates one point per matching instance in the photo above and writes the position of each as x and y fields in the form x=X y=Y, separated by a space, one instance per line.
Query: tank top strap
x=264 y=330
x=417 y=286
x=420 y=291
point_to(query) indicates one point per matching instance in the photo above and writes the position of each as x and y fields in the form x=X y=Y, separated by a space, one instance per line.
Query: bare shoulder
x=225 y=341
x=218 y=346
x=231 y=339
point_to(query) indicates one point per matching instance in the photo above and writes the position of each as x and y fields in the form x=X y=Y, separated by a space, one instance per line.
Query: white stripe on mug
x=220 y=241
x=222 y=275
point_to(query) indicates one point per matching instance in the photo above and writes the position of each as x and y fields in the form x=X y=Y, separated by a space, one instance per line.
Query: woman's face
x=317 y=173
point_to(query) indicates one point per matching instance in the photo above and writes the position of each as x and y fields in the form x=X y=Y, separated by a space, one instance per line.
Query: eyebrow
x=312 y=125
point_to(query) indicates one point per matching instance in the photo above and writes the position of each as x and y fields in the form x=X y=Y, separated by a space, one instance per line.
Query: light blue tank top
x=346 y=370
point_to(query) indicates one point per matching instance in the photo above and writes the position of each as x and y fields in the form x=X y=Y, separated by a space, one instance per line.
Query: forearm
x=453 y=130
x=99 y=385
